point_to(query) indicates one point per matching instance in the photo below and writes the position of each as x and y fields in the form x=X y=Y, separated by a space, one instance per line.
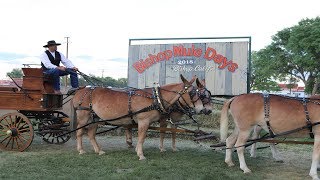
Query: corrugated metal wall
x=204 y=63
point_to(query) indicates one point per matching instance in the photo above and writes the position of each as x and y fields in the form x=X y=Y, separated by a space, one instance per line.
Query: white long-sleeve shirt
x=47 y=63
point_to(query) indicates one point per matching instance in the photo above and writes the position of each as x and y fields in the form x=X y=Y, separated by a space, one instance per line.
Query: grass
x=193 y=161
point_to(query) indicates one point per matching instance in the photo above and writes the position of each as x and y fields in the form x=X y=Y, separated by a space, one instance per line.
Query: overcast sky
x=99 y=30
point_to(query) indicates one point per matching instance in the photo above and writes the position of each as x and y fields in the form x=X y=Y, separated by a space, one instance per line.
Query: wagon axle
x=13 y=132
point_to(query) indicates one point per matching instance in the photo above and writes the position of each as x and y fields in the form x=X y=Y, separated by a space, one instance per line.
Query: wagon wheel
x=54 y=127
x=16 y=132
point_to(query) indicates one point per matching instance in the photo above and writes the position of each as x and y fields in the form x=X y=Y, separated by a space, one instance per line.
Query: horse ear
x=193 y=79
x=199 y=83
x=183 y=79
x=203 y=82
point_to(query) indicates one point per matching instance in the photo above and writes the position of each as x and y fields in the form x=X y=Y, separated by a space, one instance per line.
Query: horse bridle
x=201 y=92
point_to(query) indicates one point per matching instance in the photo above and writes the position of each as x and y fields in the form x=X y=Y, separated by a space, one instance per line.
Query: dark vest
x=56 y=61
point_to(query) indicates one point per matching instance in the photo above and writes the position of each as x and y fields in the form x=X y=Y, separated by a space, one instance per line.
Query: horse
x=274 y=150
x=125 y=108
x=281 y=115
x=205 y=96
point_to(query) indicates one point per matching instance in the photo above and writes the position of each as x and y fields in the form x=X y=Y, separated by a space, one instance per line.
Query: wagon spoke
x=17 y=143
x=5 y=139
x=12 y=142
x=24 y=130
x=22 y=138
x=18 y=123
x=8 y=141
x=11 y=120
x=8 y=124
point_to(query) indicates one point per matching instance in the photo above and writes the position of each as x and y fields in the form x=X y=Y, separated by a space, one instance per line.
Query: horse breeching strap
x=266 y=99
x=309 y=124
x=266 y=105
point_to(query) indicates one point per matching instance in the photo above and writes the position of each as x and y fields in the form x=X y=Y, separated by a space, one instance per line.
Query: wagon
x=38 y=111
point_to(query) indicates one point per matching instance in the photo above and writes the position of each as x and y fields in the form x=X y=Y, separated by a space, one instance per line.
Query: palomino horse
x=177 y=113
x=125 y=108
x=284 y=115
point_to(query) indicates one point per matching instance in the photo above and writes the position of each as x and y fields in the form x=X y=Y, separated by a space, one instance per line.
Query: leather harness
x=266 y=100
x=157 y=104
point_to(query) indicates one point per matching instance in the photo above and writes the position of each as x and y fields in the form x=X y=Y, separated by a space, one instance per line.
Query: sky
x=99 y=30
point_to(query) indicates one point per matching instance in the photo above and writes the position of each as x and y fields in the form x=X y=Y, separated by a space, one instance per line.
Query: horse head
x=205 y=96
x=190 y=99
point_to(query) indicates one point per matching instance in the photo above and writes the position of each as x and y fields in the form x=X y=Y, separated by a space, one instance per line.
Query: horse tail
x=73 y=118
x=224 y=120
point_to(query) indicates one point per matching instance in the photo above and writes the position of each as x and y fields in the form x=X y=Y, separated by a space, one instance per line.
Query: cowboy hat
x=51 y=43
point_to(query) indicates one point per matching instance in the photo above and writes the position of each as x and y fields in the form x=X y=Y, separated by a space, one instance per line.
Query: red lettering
x=154 y=58
x=233 y=67
x=139 y=66
x=210 y=54
x=168 y=54
x=197 y=52
x=161 y=56
x=219 y=59
x=177 y=50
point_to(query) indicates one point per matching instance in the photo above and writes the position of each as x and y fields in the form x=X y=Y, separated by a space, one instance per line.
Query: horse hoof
x=230 y=164
x=246 y=171
x=101 y=152
x=142 y=158
x=130 y=146
x=163 y=150
x=175 y=150
x=253 y=156
x=81 y=152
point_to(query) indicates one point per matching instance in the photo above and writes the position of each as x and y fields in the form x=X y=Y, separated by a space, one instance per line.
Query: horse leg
x=315 y=157
x=275 y=153
x=241 y=141
x=142 y=131
x=255 y=135
x=128 y=131
x=230 y=141
x=174 y=135
x=92 y=130
x=163 y=123
x=79 y=141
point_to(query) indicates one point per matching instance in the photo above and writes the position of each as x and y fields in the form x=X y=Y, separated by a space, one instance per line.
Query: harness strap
x=266 y=104
x=130 y=94
x=158 y=101
x=309 y=124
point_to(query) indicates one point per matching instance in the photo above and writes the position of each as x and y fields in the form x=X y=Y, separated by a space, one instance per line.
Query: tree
x=294 y=51
x=15 y=73
x=262 y=79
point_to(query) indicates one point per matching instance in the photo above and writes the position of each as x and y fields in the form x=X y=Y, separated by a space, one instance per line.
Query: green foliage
x=106 y=81
x=262 y=79
x=15 y=73
x=294 y=51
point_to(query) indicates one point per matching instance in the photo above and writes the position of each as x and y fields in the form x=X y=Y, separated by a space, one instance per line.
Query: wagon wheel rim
x=57 y=134
x=16 y=132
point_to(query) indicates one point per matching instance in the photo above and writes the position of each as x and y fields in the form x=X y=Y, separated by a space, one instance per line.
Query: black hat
x=51 y=43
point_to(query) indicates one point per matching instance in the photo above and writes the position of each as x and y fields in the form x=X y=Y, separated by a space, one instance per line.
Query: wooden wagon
x=39 y=111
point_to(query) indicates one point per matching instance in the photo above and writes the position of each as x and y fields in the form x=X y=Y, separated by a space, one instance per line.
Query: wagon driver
x=50 y=62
